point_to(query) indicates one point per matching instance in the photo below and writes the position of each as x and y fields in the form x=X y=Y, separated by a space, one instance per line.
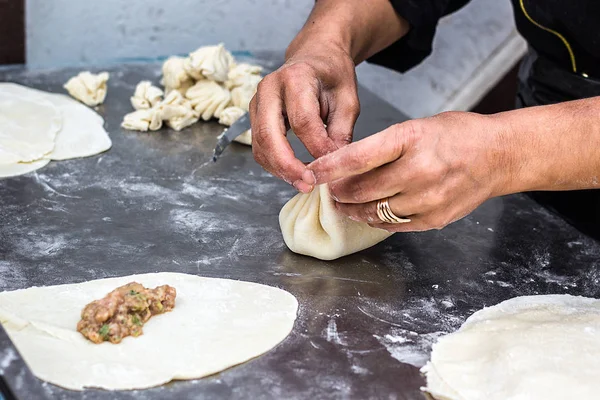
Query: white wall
x=473 y=48
x=67 y=32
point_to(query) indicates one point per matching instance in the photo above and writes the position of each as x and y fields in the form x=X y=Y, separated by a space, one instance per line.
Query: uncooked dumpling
x=208 y=98
x=216 y=324
x=143 y=120
x=177 y=111
x=241 y=95
x=88 y=88
x=174 y=75
x=532 y=347
x=241 y=73
x=146 y=96
x=311 y=225
x=209 y=62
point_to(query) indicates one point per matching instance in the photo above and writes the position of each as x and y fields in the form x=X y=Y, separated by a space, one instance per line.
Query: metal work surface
x=156 y=202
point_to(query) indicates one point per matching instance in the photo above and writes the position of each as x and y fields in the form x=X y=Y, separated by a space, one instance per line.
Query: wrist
x=507 y=157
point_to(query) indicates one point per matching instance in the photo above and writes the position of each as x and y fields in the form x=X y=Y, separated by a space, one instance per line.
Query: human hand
x=316 y=85
x=434 y=170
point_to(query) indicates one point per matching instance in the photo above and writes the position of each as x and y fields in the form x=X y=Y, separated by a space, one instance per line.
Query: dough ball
x=209 y=99
x=88 y=88
x=146 y=96
x=311 y=225
x=209 y=62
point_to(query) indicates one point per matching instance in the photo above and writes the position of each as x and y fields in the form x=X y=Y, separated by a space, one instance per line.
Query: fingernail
x=354 y=218
x=302 y=186
x=309 y=177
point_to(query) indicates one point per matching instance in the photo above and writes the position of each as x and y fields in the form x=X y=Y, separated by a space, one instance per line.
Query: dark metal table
x=155 y=202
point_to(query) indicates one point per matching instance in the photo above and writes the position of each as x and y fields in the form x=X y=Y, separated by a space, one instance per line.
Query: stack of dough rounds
x=312 y=226
x=36 y=127
x=531 y=347
x=210 y=83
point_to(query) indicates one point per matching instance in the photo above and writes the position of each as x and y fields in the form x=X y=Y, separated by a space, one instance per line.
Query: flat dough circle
x=28 y=127
x=532 y=347
x=82 y=133
x=311 y=225
x=7 y=170
x=216 y=323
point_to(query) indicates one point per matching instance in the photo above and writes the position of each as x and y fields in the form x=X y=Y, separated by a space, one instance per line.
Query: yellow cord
x=561 y=37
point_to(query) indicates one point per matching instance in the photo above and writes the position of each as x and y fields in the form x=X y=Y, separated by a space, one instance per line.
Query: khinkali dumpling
x=146 y=96
x=177 y=111
x=143 y=120
x=312 y=226
x=241 y=95
x=174 y=75
x=240 y=73
x=88 y=88
x=209 y=62
x=208 y=98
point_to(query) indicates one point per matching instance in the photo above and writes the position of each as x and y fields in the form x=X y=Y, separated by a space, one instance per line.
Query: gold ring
x=385 y=213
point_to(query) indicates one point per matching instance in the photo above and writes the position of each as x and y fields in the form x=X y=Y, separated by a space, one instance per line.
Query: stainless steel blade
x=240 y=126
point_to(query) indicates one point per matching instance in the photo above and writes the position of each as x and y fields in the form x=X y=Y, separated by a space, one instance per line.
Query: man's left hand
x=434 y=170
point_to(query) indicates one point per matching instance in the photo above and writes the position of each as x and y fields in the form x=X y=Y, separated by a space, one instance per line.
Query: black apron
x=542 y=82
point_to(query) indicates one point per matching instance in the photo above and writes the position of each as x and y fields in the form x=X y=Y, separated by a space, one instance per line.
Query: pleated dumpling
x=311 y=225
x=208 y=98
x=209 y=62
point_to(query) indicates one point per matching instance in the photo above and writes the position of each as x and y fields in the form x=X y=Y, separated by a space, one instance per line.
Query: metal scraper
x=236 y=129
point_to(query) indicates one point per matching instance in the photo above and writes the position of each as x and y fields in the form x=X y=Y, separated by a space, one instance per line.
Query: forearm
x=555 y=147
x=360 y=28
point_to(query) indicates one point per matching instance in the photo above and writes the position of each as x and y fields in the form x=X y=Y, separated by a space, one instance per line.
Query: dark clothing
x=563 y=64
x=575 y=21
x=543 y=82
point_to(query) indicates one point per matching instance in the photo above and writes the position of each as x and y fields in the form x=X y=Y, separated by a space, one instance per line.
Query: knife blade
x=236 y=129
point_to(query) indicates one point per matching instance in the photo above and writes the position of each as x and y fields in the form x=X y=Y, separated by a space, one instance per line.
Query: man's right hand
x=316 y=86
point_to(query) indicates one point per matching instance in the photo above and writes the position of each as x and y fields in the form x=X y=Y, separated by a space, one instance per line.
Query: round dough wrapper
x=28 y=126
x=82 y=133
x=532 y=347
x=312 y=226
x=216 y=324
x=8 y=170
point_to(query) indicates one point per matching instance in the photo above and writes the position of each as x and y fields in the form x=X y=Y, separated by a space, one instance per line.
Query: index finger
x=270 y=146
x=362 y=156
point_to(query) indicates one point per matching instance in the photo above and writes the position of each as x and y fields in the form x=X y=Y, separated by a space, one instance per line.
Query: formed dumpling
x=208 y=98
x=146 y=96
x=143 y=120
x=230 y=115
x=88 y=88
x=311 y=225
x=241 y=73
x=209 y=62
x=177 y=111
x=241 y=95
x=174 y=75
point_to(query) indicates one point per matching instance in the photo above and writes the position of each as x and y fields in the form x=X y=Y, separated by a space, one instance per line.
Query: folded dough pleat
x=311 y=225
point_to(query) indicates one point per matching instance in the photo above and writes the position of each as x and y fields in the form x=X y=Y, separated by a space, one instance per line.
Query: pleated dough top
x=311 y=225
